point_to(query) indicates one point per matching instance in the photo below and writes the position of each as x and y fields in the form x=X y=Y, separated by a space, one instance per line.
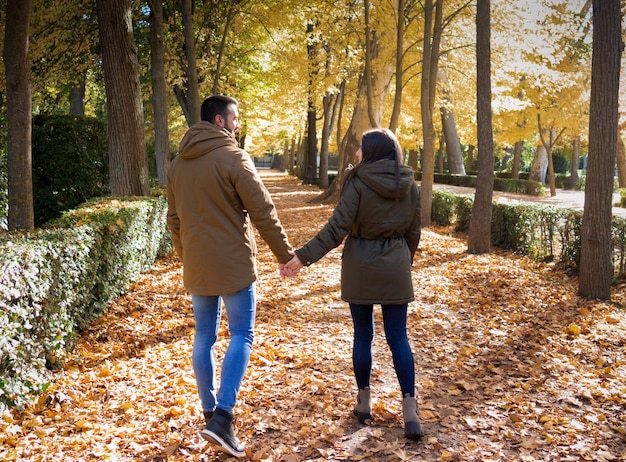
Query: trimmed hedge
x=55 y=280
x=533 y=188
x=545 y=233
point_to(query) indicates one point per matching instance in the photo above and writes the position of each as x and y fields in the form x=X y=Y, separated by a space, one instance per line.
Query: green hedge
x=545 y=233
x=533 y=188
x=55 y=280
x=70 y=163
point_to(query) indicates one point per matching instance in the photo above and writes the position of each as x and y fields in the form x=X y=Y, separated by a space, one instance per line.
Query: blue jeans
x=394 y=320
x=207 y=311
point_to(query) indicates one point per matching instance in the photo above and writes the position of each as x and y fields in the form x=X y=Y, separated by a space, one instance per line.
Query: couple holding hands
x=215 y=195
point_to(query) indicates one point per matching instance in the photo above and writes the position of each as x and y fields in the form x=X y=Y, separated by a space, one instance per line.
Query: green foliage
x=560 y=162
x=542 y=232
x=442 y=211
x=501 y=183
x=56 y=280
x=70 y=163
x=448 y=208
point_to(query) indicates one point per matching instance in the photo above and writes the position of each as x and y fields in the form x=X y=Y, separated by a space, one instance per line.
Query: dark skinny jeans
x=394 y=320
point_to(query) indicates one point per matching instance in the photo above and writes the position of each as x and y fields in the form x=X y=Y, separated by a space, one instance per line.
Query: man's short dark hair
x=214 y=105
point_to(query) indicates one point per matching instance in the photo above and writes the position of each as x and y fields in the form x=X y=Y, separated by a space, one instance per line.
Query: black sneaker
x=220 y=430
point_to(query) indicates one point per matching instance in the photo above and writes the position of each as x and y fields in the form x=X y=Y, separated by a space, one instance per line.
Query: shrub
x=55 y=280
x=70 y=163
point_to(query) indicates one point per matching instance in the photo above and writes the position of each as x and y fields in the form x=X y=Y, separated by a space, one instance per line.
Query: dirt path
x=512 y=366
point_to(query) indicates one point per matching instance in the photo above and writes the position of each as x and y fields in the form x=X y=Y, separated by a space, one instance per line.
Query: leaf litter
x=511 y=365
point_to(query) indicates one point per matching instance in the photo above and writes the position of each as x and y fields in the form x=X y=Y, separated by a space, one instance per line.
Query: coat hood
x=381 y=178
x=204 y=137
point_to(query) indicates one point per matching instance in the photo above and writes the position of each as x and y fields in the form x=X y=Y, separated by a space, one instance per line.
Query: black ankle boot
x=207 y=416
x=221 y=431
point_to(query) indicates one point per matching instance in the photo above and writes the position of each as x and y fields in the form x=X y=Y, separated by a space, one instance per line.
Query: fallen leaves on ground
x=511 y=365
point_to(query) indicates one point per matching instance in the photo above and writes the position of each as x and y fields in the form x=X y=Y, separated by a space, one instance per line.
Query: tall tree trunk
x=127 y=149
x=471 y=163
x=573 y=166
x=479 y=234
x=441 y=153
x=621 y=163
x=397 y=100
x=596 y=265
x=517 y=158
x=19 y=116
x=549 y=145
x=539 y=166
x=230 y=15
x=159 y=90
x=430 y=64
x=193 y=92
x=453 y=145
x=77 y=98
x=309 y=174
x=330 y=114
x=369 y=37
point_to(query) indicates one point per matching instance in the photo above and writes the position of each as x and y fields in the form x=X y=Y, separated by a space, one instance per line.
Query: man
x=214 y=196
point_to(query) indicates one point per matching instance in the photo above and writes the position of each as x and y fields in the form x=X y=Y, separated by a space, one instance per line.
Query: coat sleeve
x=414 y=233
x=335 y=230
x=257 y=201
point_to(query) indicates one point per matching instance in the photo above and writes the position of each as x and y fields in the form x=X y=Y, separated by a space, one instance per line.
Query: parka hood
x=204 y=137
x=381 y=178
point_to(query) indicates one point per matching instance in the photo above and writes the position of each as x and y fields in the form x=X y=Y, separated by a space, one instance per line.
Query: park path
x=511 y=366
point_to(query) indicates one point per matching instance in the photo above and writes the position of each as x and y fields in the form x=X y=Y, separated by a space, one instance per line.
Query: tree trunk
x=309 y=171
x=540 y=165
x=517 y=158
x=479 y=234
x=453 y=145
x=397 y=100
x=441 y=153
x=330 y=113
x=430 y=65
x=291 y=156
x=412 y=162
x=77 y=99
x=127 y=150
x=369 y=38
x=19 y=116
x=621 y=163
x=573 y=166
x=193 y=93
x=230 y=15
x=596 y=265
x=471 y=163
x=159 y=90
x=549 y=145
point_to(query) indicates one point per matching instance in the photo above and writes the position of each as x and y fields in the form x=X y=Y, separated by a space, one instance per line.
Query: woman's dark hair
x=378 y=144
x=214 y=105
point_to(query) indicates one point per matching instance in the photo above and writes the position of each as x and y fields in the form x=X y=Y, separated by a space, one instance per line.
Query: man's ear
x=219 y=120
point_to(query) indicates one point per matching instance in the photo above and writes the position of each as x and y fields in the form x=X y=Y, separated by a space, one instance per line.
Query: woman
x=379 y=211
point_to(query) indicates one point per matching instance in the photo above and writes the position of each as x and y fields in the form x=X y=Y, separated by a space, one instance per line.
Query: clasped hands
x=292 y=267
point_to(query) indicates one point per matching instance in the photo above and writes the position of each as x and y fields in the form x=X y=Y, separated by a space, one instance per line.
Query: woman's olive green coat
x=379 y=211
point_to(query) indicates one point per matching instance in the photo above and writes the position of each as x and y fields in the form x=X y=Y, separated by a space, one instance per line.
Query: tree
x=159 y=89
x=479 y=236
x=19 y=110
x=127 y=151
x=193 y=93
x=596 y=265
x=432 y=38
